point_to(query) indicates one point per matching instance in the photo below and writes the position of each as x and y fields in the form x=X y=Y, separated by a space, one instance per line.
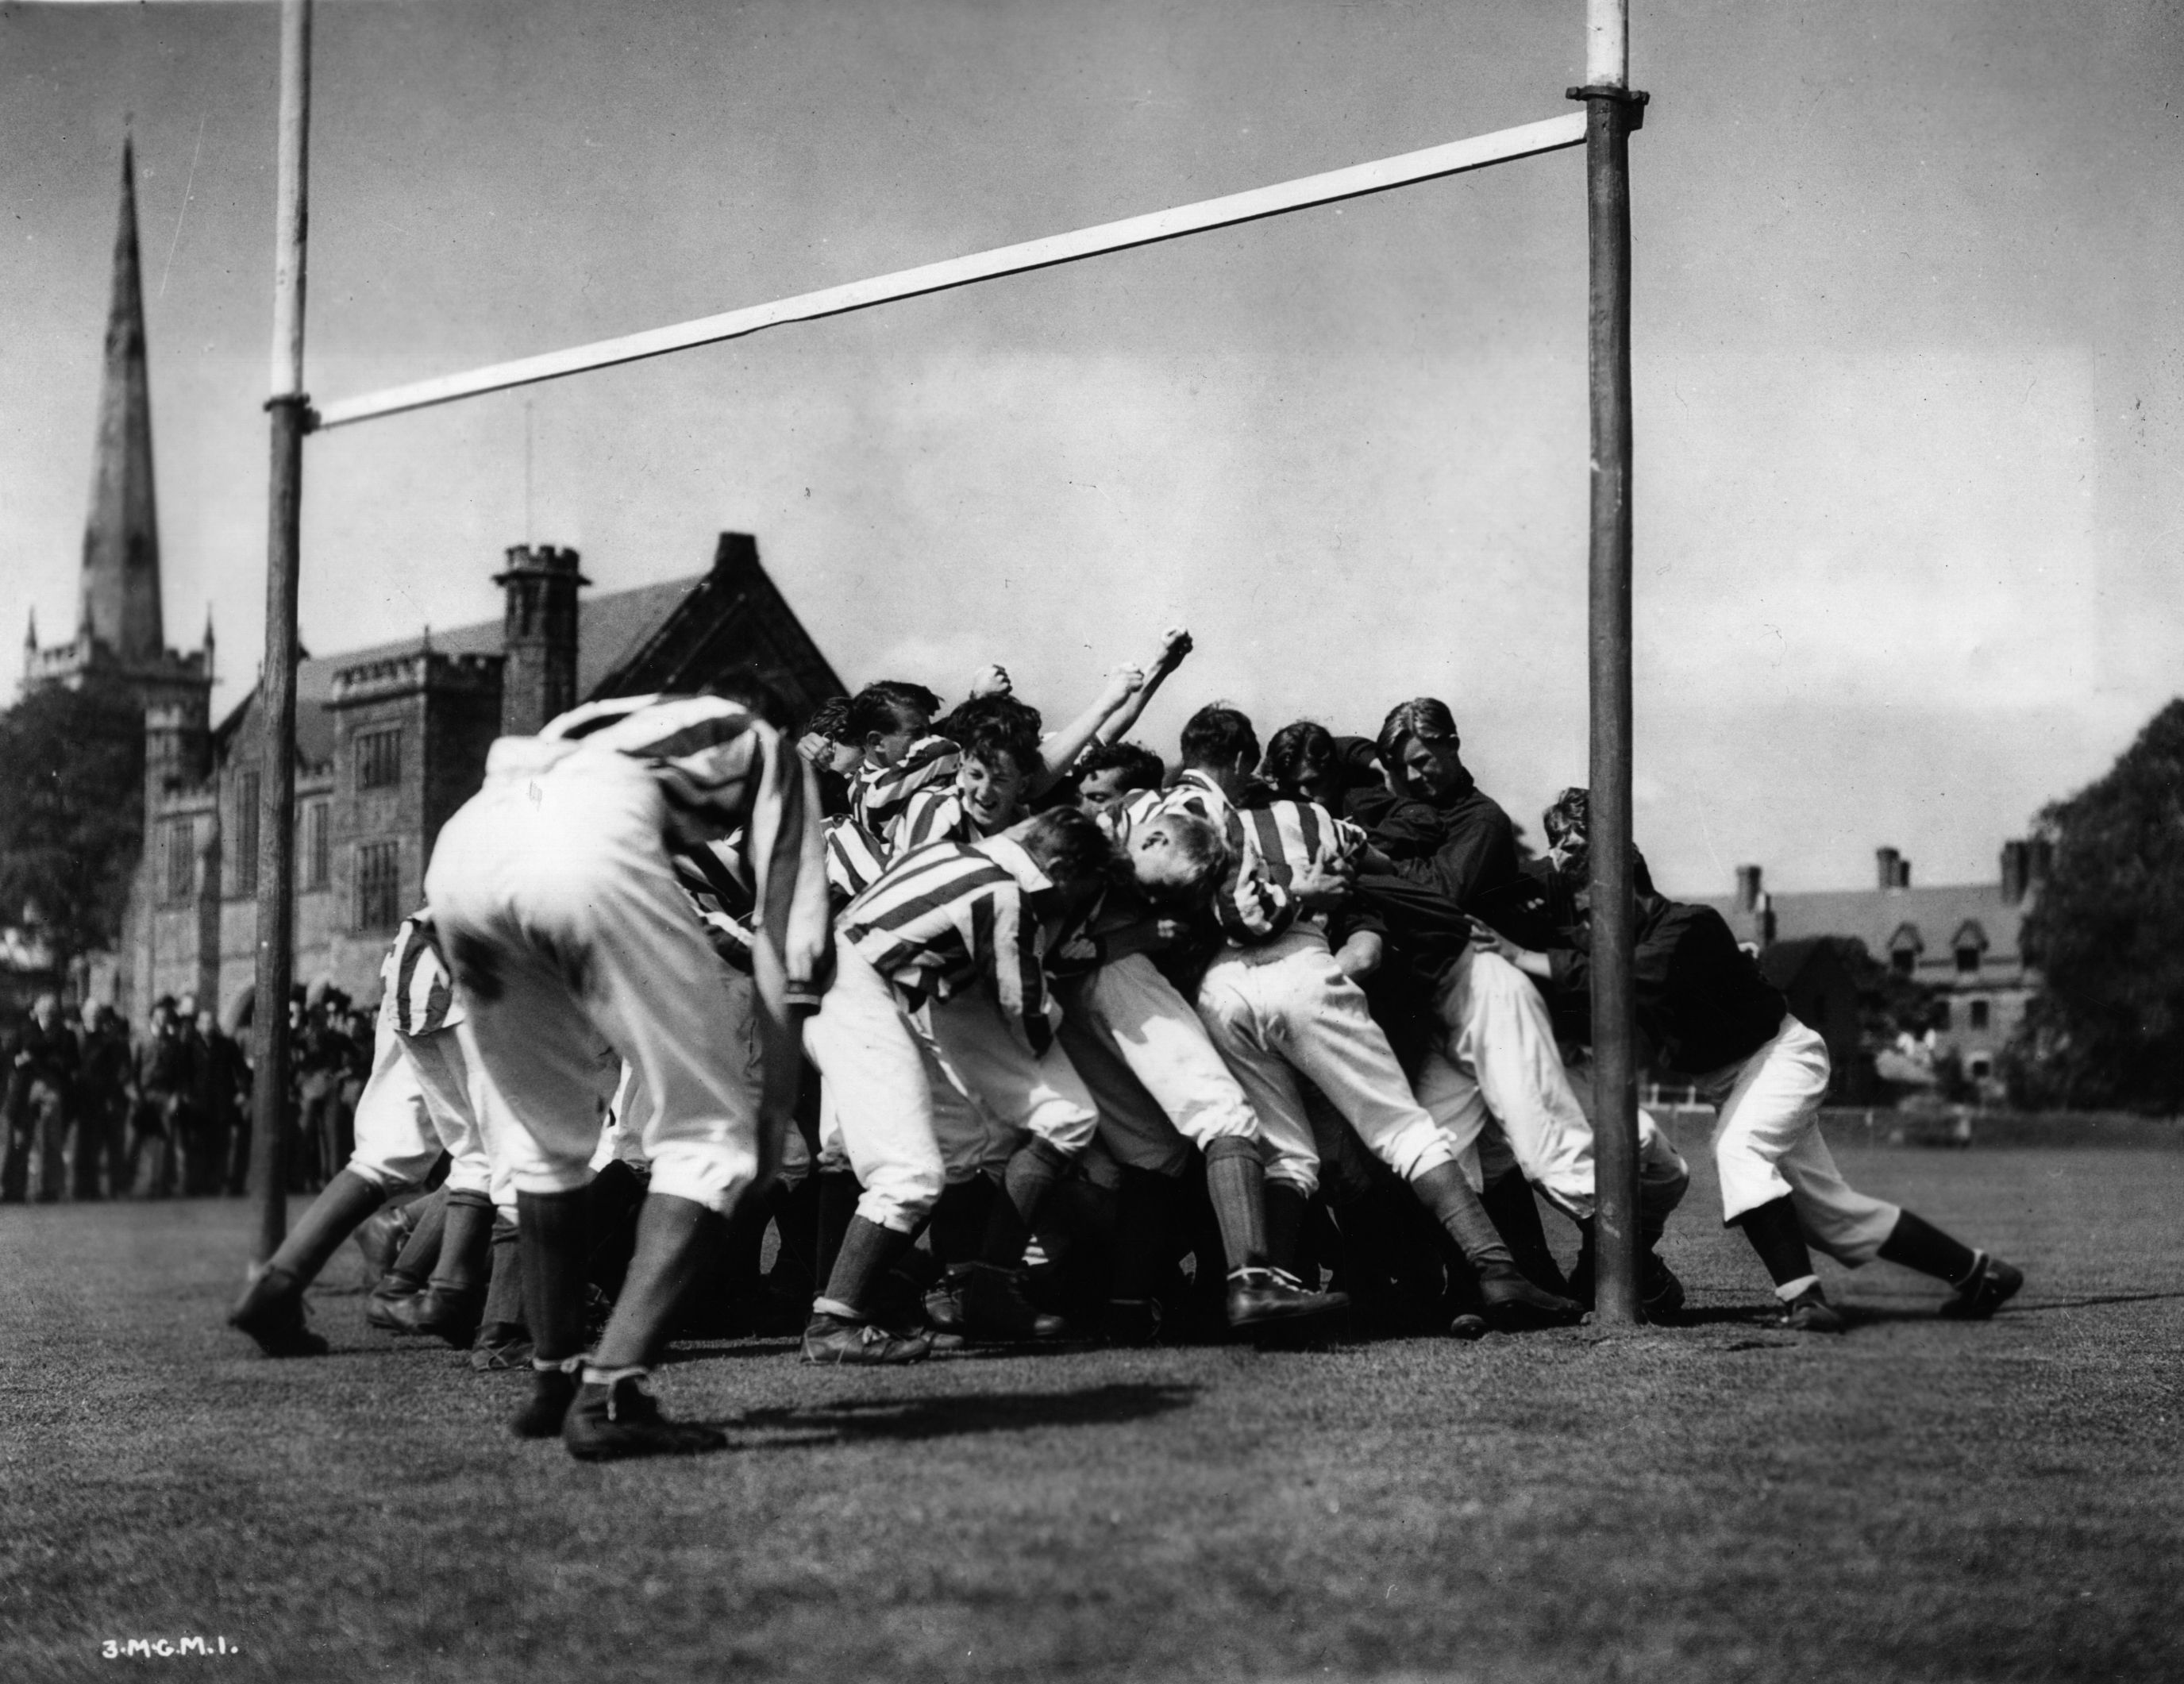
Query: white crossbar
x=1524 y=141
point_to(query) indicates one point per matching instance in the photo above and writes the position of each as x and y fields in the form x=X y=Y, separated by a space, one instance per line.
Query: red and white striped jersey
x=951 y=918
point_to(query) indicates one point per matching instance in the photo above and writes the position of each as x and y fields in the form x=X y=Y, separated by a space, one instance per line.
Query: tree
x=2106 y=936
x=71 y=815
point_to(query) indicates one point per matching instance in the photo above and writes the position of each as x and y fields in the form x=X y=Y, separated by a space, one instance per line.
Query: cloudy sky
x=1907 y=363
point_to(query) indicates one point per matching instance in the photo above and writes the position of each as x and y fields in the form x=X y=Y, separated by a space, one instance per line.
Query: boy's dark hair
x=986 y=727
x=1141 y=768
x=1298 y=752
x=831 y=720
x=1568 y=813
x=1067 y=846
x=886 y=707
x=1216 y=734
x=1422 y=716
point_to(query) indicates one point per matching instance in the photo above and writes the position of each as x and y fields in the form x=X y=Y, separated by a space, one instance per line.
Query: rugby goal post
x=1612 y=111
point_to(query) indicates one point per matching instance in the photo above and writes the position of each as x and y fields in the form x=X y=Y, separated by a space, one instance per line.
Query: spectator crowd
x=96 y=1110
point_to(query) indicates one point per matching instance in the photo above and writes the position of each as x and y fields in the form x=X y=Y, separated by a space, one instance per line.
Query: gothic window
x=181 y=850
x=242 y=858
x=379 y=759
x=378 y=885
x=316 y=853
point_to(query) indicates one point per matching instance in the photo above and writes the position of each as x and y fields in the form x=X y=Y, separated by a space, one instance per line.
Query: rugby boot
x=610 y=1420
x=1511 y=1304
x=995 y=1307
x=1993 y=1283
x=434 y=1313
x=1268 y=1297
x=271 y=1311
x=832 y=1340
x=1660 y=1294
x=386 y=1309
x=381 y=1236
x=1810 y=1312
x=552 y=1391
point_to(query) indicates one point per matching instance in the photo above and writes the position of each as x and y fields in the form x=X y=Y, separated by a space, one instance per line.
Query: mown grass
x=1919 y=1500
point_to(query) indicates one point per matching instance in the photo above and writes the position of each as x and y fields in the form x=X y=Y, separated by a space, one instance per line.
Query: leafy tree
x=71 y=815
x=2106 y=937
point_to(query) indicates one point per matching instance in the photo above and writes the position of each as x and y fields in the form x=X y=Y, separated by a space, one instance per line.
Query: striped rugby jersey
x=417 y=990
x=1269 y=843
x=952 y=916
x=714 y=876
x=878 y=794
x=936 y=815
x=722 y=770
x=856 y=859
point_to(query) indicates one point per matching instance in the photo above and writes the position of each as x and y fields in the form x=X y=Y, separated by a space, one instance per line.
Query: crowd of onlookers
x=95 y=1110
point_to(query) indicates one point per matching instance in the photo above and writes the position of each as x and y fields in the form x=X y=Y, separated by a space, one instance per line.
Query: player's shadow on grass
x=804 y=1426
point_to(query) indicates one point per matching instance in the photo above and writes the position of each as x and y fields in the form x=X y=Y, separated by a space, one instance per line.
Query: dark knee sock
x=1515 y=1214
x=1147 y=1210
x=959 y=1219
x=671 y=1245
x=867 y=1252
x=1284 y=1202
x=615 y=1196
x=332 y=1218
x=554 y=1232
x=420 y=1252
x=1775 y=1233
x=796 y=1220
x=504 y=1292
x=466 y=1244
x=1032 y=1174
x=1236 y=1182
x=1446 y=1192
x=1916 y=1243
x=838 y=1193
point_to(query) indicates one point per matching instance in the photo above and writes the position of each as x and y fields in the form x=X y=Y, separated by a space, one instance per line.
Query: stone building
x=1960 y=940
x=389 y=740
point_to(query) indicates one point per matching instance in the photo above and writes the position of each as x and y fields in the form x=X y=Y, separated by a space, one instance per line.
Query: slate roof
x=1876 y=915
x=610 y=627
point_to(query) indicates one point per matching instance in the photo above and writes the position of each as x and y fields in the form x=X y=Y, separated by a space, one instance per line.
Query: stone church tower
x=120 y=633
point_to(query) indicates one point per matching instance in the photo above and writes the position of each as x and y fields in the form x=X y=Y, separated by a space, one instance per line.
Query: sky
x=1909 y=366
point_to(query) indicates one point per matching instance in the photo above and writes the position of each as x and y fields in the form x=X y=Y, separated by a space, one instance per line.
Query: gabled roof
x=609 y=628
x=1874 y=916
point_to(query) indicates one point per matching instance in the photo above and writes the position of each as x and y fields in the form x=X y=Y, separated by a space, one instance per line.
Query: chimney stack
x=538 y=638
x=1889 y=867
x=1747 y=888
x=2016 y=861
x=2039 y=861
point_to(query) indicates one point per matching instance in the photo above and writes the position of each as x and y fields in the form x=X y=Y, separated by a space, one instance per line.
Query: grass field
x=1919 y=1500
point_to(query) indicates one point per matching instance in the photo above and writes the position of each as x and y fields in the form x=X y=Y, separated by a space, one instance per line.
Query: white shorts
x=1768 y=1146
x=555 y=902
x=1283 y=1009
x=416 y=1104
x=1154 y=1074
x=876 y=1118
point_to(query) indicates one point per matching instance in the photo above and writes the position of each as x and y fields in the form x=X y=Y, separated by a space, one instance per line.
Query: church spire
x=122 y=539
